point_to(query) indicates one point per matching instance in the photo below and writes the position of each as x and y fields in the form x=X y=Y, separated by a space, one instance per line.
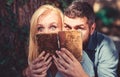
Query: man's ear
x=92 y=28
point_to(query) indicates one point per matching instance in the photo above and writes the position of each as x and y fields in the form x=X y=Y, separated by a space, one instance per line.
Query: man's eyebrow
x=67 y=25
x=75 y=25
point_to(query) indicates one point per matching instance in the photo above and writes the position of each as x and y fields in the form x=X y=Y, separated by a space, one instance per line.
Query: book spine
x=58 y=42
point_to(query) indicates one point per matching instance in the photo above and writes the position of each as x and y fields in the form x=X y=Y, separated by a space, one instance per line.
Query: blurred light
x=115 y=38
x=118 y=4
x=105 y=30
x=109 y=0
x=96 y=7
x=117 y=22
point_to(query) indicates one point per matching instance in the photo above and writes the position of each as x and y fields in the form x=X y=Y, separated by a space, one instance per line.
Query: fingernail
x=42 y=57
x=56 y=51
x=62 y=48
x=43 y=51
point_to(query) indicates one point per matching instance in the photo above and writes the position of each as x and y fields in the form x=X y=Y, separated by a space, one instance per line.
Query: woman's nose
x=46 y=31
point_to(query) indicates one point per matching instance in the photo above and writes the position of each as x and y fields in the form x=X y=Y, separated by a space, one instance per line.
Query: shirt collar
x=92 y=45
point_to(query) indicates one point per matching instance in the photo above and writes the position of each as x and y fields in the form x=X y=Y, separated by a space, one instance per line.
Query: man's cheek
x=64 y=29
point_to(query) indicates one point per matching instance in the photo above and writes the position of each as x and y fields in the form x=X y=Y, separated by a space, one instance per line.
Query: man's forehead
x=75 y=21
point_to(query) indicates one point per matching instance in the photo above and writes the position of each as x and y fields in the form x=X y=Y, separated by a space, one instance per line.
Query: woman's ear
x=92 y=28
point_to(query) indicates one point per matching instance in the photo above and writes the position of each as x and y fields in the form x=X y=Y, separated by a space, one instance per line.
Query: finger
x=40 y=70
x=48 y=61
x=42 y=54
x=68 y=53
x=54 y=58
x=46 y=56
x=59 y=67
x=58 y=53
x=49 y=65
x=44 y=73
x=39 y=75
x=37 y=60
x=61 y=62
x=38 y=65
x=65 y=57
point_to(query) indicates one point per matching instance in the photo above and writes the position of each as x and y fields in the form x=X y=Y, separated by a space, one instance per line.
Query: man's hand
x=68 y=65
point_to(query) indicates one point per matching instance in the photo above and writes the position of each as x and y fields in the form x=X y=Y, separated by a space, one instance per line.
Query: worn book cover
x=70 y=40
x=47 y=42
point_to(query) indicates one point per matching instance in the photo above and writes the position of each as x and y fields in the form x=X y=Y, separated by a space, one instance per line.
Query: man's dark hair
x=80 y=9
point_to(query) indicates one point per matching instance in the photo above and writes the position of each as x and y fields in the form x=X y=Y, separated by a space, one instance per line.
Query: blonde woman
x=46 y=19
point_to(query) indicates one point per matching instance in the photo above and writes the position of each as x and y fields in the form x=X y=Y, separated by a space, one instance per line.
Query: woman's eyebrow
x=39 y=25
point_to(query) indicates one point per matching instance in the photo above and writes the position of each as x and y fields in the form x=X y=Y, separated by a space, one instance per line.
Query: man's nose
x=72 y=29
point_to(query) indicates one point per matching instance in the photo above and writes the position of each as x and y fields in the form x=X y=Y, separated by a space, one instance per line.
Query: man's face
x=79 y=24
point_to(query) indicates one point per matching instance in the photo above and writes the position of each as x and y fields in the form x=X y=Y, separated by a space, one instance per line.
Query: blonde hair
x=41 y=11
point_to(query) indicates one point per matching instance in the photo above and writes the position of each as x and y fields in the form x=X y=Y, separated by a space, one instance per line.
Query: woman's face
x=50 y=23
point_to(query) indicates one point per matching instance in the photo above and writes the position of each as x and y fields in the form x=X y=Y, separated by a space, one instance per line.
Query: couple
x=100 y=57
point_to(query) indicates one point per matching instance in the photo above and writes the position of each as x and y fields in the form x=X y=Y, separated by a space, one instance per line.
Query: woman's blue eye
x=53 y=27
x=40 y=29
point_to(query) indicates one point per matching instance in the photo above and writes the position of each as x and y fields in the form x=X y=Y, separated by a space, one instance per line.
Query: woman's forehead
x=52 y=15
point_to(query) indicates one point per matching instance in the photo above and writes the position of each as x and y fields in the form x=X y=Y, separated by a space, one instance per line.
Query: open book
x=71 y=40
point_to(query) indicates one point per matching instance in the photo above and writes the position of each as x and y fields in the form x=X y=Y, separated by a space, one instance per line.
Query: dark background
x=14 y=29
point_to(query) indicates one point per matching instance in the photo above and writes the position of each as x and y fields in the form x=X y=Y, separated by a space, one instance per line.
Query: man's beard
x=86 y=42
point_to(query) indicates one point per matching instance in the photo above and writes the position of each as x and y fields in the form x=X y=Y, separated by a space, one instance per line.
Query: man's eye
x=67 y=27
x=79 y=28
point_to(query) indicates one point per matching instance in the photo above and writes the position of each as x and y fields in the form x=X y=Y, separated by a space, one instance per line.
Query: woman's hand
x=68 y=65
x=39 y=67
